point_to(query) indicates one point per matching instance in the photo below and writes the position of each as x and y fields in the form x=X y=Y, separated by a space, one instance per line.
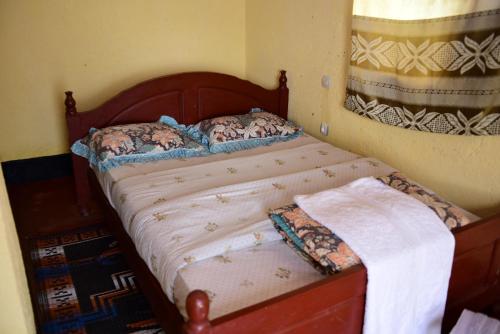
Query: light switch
x=326 y=81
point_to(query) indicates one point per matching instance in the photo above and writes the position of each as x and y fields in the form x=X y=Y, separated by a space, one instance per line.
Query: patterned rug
x=86 y=286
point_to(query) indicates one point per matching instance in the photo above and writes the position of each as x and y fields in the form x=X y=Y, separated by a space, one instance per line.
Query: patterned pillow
x=451 y=215
x=239 y=132
x=122 y=144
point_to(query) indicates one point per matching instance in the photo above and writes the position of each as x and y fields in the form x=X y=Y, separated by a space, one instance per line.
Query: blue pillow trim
x=236 y=145
x=171 y=122
x=246 y=144
x=83 y=150
x=285 y=228
x=197 y=135
x=148 y=157
x=192 y=132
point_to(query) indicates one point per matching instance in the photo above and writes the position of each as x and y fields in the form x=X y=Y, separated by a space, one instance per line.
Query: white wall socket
x=326 y=81
x=323 y=128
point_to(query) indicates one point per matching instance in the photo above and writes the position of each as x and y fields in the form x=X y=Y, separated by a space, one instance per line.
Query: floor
x=48 y=207
x=43 y=208
x=51 y=202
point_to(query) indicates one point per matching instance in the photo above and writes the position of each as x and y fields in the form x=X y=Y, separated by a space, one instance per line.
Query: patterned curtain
x=438 y=71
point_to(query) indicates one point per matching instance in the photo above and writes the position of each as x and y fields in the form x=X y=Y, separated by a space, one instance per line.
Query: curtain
x=426 y=65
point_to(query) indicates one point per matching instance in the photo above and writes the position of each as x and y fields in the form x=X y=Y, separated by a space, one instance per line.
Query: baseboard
x=37 y=169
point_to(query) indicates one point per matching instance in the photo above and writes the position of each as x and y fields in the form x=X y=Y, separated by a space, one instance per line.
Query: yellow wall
x=312 y=38
x=97 y=48
x=16 y=315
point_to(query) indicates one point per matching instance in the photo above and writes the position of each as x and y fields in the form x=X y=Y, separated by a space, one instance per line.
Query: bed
x=309 y=302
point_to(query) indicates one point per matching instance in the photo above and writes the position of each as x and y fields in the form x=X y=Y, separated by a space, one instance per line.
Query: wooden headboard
x=187 y=97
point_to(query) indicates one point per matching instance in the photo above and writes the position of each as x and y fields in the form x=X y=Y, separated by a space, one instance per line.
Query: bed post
x=80 y=165
x=70 y=103
x=283 y=95
x=197 y=305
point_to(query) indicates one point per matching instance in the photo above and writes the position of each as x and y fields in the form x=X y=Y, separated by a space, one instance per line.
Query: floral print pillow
x=239 y=132
x=122 y=144
x=451 y=215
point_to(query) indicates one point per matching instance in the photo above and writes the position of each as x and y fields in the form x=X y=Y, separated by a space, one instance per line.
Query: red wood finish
x=197 y=306
x=335 y=304
x=187 y=97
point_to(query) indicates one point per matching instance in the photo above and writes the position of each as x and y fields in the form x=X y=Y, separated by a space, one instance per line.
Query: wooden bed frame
x=335 y=304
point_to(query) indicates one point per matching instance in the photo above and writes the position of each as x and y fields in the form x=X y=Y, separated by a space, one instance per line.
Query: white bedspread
x=244 y=277
x=406 y=248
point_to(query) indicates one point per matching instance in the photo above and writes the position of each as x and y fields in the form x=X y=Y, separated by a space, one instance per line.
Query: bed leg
x=82 y=186
x=197 y=304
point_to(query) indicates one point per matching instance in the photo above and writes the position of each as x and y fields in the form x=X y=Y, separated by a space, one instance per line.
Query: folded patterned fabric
x=325 y=250
x=451 y=215
x=313 y=241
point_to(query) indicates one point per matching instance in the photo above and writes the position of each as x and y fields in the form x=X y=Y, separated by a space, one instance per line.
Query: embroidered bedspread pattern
x=117 y=175
x=180 y=216
x=406 y=248
x=244 y=277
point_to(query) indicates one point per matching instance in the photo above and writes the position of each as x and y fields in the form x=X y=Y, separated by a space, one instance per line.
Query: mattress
x=201 y=223
x=245 y=277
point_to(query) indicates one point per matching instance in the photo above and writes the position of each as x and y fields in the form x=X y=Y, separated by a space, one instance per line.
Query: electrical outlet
x=324 y=128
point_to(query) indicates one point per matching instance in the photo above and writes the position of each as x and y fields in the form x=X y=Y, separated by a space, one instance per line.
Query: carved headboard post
x=70 y=103
x=80 y=165
x=283 y=95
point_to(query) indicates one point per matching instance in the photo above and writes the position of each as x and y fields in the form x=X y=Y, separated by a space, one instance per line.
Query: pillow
x=117 y=145
x=239 y=132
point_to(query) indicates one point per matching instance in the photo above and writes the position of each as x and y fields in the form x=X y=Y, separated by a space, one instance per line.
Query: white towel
x=476 y=323
x=406 y=248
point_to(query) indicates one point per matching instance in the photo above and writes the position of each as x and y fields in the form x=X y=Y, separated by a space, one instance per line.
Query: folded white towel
x=406 y=248
x=476 y=323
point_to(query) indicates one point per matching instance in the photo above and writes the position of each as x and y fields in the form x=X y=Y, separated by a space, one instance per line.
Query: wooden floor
x=43 y=208
x=47 y=207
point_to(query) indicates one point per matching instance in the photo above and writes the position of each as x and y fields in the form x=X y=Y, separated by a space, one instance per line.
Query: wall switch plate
x=326 y=81
x=324 y=128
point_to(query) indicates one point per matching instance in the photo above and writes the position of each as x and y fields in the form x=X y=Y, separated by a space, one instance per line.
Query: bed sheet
x=186 y=216
x=245 y=277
